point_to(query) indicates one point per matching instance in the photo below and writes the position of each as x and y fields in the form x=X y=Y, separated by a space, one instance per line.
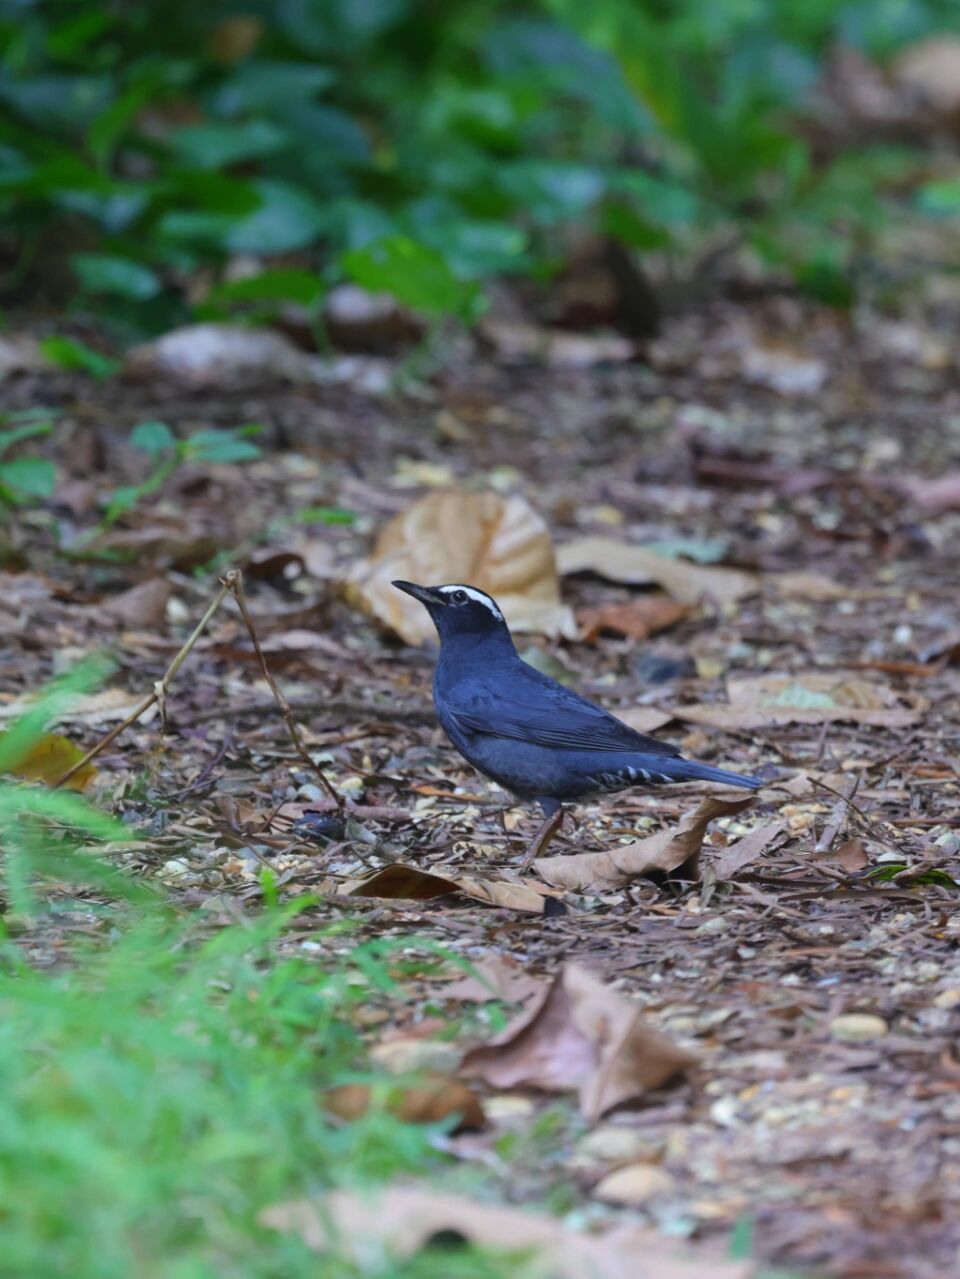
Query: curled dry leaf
x=499 y=544
x=499 y=977
x=407 y=883
x=675 y=850
x=430 y=1100
x=636 y=618
x=403 y=1219
x=638 y=566
x=581 y=1035
x=809 y=697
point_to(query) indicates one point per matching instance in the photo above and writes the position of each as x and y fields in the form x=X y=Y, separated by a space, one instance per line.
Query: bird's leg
x=552 y=821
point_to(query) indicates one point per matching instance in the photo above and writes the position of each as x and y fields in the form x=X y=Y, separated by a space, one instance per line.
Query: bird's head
x=460 y=611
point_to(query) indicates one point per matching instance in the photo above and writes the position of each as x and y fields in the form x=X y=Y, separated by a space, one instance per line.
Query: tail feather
x=690 y=770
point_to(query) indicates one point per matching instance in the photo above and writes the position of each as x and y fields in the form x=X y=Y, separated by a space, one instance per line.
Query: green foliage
x=421 y=152
x=161 y=1091
x=24 y=478
x=76 y=356
x=168 y=453
x=39 y=827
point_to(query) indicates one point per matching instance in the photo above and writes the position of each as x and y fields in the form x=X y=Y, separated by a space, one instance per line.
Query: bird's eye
x=459 y=597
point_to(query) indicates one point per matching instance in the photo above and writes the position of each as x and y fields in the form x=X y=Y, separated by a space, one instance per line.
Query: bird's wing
x=532 y=708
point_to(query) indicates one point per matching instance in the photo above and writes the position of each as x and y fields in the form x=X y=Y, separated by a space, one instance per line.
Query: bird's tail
x=689 y=770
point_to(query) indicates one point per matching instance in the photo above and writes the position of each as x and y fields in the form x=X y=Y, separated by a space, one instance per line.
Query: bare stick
x=158 y=694
x=233 y=582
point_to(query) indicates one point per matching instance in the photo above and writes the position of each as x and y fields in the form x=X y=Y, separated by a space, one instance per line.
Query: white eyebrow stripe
x=477 y=596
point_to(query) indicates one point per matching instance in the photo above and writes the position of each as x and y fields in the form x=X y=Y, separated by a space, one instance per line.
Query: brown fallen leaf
x=645 y=719
x=48 y=759
x=851 y=855
x=674 y=850
x=812 y=586
x=746 y=850
x=637 y=618
x=638 y=566
x=500 y=544
x=431 y=1099
x=808 y=697
x=142 y=605
x=936 y=496
x=399 y=881
x=499 y=977
x=581 y=1035
x=403 y=1219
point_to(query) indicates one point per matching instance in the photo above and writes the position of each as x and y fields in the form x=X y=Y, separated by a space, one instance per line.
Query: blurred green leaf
x=153 y=438
x=288 y=218
x=215 y=146
x=28 y=476
x=280 y=284
x=940 y=198
x=215 y=445
x=100 y=273
x=325 y=515
x=72 y=354
x=412 y=273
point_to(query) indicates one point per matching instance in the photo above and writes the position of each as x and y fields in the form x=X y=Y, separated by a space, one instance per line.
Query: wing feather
x=544 y=713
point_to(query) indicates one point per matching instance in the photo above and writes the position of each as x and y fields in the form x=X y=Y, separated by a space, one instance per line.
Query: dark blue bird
x=528 y=733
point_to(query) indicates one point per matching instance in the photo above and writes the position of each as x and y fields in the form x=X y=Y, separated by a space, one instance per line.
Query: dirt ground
x=819 y=982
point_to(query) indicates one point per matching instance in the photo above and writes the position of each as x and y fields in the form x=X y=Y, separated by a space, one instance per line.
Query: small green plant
x=76 y=357
x=169 y=453
x=25 y=479
x=41 y=829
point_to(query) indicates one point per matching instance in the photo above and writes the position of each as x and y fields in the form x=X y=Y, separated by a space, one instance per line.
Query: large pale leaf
x=500 y=544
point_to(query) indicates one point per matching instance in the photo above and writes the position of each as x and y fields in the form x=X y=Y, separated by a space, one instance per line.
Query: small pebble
x=857 y=1028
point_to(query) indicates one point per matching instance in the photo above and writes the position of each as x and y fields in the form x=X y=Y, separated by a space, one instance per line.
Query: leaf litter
x=818 y=646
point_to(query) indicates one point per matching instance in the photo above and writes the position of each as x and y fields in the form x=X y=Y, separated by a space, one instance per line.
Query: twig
x=837 y=818
x=159 y=693
x=869 y=824
x=233 y=582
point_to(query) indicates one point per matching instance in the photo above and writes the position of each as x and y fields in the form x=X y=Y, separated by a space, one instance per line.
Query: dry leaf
x=673 y=850
x=499 y=977
x=639 y=566
x=402 y=882
x=636 y=618
x=142 y=605
x=49 y=758
x=809 y=697
x=499 y=544
x=645 y=719
x=813 y=586
x=851 y=855
x=581 y=1035
x=402 y=1219
x=936 y=496
x=90 y=709
x=433 y=1098
x=746 y=850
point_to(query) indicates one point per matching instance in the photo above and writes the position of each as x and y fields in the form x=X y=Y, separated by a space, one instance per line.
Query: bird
x=537 y=739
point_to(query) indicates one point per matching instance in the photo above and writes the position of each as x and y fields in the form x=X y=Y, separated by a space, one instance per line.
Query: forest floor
x=814 y=970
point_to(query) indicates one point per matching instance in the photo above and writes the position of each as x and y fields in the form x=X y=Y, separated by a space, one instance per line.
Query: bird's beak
x=422 y=593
